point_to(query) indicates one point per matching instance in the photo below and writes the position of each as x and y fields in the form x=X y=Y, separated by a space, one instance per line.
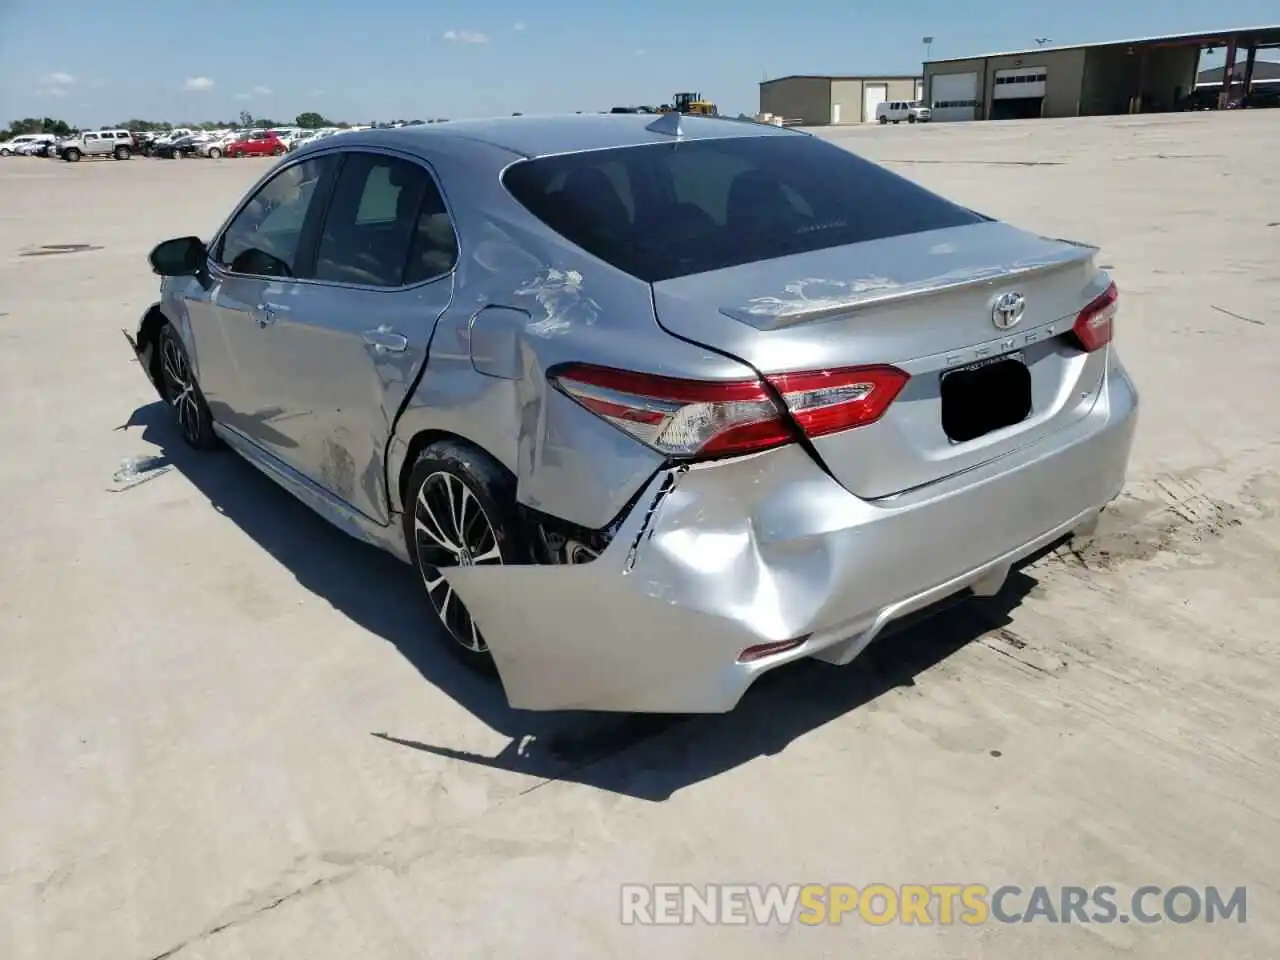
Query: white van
x=895 y=111
x=10 y=147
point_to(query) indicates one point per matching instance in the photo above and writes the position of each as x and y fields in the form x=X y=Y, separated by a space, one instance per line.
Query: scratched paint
x=559 y=294
x=805 y=296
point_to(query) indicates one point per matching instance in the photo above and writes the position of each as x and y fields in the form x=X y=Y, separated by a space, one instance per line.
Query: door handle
x=265 y=315
x=386 y=340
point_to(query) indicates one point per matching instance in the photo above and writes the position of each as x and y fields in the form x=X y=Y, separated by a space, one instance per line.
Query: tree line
x=308 y=121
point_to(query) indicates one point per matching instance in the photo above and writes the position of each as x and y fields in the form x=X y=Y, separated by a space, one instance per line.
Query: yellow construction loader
x=691 y=103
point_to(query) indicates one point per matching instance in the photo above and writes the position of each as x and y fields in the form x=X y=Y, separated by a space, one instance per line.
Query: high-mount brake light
x=700 y=419
x=1095 y=326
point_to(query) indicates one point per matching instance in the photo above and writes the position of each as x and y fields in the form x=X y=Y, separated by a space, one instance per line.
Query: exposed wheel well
x=420 y=442
x=149 y=338
x=546 y=535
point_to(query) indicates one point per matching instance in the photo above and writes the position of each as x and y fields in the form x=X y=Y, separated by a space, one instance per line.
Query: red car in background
x=260 y=143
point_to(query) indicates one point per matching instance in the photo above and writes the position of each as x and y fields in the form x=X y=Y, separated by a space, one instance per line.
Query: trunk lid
x=925 y=303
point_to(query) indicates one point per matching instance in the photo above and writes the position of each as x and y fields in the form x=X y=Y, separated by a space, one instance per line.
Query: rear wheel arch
x=424 y=439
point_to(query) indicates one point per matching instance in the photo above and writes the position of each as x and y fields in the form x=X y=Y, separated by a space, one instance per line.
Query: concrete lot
x=225 y=731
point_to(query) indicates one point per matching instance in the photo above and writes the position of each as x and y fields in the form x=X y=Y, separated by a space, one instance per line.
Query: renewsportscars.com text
x=926 y=904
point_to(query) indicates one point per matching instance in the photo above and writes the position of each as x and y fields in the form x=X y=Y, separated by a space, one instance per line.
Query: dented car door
x=350 y=342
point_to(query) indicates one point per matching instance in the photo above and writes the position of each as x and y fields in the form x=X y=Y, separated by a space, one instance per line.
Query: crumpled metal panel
x=722 y=556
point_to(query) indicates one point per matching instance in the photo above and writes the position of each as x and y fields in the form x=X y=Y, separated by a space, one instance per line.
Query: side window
x=386 y=225
x=264 y=238
x=90 y=137
x=378 y=197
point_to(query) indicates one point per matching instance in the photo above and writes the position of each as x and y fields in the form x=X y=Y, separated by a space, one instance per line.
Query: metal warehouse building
x=1124 y=76
x=819 y=101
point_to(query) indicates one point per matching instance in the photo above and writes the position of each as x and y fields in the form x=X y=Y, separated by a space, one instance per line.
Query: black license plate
x=985 y=396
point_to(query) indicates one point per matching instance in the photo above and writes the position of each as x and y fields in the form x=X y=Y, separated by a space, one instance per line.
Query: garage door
x=873 y=94
x=1018 y=94
x=954 y=96
x=1019 y=84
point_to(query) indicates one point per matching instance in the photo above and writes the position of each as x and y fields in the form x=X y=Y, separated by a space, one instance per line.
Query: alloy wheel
x=451 y=529
x=180 y=388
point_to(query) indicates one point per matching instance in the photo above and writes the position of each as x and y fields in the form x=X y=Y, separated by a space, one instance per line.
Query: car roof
x=575 y=133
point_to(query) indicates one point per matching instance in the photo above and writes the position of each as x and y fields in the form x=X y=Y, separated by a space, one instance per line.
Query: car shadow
x=648 y=757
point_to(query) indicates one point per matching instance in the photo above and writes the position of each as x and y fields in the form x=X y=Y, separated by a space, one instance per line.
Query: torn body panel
x=534 y=302
x=144 y=341
x=720 y=557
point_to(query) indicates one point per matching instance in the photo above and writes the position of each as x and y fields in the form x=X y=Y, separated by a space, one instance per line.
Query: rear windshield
x=669 y=210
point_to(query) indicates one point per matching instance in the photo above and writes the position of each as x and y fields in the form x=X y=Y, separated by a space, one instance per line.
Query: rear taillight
x=1096 y=323
x=828 y=401
x=701 y=419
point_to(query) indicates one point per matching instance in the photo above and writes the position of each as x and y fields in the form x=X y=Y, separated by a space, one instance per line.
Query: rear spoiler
x=771 y=313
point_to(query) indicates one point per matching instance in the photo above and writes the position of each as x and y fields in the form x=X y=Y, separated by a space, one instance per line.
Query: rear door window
x=386 y=226
x=668 y=210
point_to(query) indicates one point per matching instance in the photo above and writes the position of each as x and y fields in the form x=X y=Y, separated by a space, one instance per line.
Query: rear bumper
x=721 y=557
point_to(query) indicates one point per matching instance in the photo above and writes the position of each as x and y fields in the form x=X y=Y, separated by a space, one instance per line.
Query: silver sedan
x=652 y=406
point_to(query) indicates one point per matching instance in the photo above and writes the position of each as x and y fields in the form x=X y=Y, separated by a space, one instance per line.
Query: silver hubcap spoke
x=451 y=529
x=181 y=389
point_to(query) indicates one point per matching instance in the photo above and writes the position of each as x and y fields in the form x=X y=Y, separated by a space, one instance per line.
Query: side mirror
x=183 y=257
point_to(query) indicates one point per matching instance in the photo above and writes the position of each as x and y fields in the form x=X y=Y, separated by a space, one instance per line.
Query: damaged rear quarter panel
x=528 y=301
x=714 y=558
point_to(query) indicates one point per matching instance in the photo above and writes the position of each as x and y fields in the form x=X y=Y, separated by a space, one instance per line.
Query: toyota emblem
x=1007 y=311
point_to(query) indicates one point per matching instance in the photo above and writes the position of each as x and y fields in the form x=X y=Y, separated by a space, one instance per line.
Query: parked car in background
x=896 y=111
x=163 y=138
x=182 y=147
x=644 y=463
x=49 y=148
x=216 y=146
x=259 y=143
x=15 y=146
x=115 y=144
x=311 y=136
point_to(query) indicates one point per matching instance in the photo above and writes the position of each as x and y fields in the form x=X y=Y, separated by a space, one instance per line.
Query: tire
x=277 y=152
x=489 y=535
x=5 y=152
x=177 y=154
x=884 y=120
x=122 y=153
x=71 y=156
x=238 y=154
x=179 y=388
x=911 y=119
x=214 y=153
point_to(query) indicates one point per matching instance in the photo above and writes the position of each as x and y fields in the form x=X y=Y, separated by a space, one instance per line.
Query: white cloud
x=519 y=27
x=54 y=84
x=640 y=53
x=242 y=97
x=465 y=36
x=199 y=83
x=262 y=91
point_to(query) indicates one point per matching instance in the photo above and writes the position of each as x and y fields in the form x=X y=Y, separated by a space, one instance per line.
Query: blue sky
x=96 y=62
